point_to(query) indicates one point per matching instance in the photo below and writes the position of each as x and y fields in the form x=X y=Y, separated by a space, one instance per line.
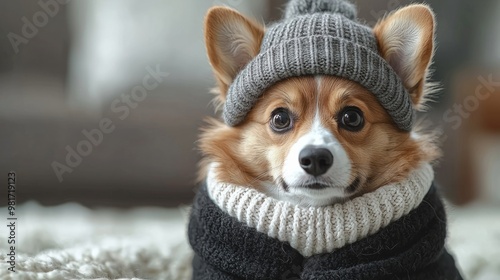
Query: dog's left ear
x=406 y=41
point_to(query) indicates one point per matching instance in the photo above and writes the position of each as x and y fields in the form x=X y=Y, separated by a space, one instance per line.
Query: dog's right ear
x=232 y=42
x=406 y=41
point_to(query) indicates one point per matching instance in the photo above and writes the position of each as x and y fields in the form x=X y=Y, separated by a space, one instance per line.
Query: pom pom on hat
x=304 y=7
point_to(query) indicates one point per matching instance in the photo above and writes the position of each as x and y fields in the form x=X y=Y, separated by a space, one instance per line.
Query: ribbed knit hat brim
x=321 y=43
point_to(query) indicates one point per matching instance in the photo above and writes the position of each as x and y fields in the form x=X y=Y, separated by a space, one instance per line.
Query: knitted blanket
x=408 y=243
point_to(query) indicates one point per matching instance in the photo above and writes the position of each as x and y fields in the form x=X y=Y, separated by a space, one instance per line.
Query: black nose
x=315 y=161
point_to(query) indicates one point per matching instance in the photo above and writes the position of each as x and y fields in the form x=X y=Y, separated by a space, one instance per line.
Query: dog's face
x=319 y=139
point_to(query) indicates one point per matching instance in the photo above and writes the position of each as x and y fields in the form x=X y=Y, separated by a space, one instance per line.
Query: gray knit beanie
x=319 y=37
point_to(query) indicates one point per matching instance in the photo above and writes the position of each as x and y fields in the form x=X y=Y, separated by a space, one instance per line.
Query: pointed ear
x=406 y=41
x=232 y=41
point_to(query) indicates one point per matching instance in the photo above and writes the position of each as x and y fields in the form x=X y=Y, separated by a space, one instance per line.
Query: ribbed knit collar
x=316 y=230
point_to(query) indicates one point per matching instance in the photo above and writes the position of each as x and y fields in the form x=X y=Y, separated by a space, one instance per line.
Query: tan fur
x=252 y=154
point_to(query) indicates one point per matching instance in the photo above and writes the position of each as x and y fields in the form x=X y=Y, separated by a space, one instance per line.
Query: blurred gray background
x=62 y=66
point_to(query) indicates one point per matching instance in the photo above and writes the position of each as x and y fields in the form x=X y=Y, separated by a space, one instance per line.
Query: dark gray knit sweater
x=409 y=248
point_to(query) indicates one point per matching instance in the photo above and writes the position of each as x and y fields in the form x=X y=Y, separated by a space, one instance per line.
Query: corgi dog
x=318 y=140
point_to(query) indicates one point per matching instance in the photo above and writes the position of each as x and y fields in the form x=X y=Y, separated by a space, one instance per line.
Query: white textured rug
x=73 y=242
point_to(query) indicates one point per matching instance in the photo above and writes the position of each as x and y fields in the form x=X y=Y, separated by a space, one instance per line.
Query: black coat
x=409 y=248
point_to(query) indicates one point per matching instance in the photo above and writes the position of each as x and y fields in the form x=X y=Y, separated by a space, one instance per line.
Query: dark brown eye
x=352 y=119
x=281 y=120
